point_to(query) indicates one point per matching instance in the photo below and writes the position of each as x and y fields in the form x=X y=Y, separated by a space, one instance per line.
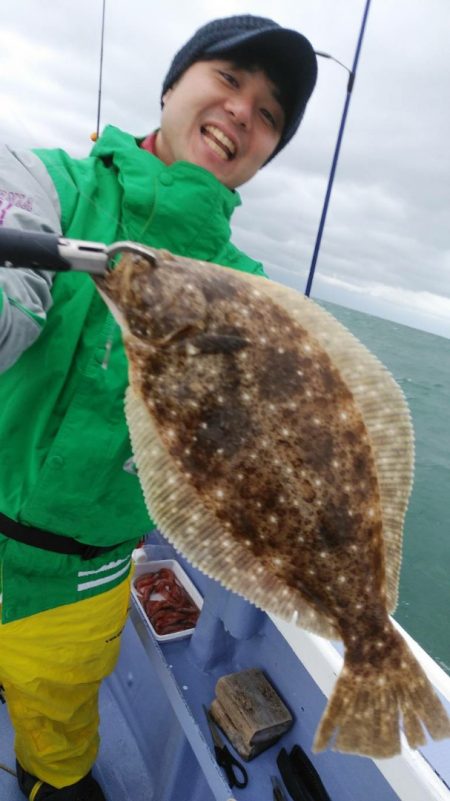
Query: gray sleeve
x=28 y=201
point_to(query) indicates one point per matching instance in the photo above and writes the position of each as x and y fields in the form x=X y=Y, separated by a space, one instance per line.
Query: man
x=70 y=510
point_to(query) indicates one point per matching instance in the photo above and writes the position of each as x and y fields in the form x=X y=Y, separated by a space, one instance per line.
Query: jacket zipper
x=110 y=330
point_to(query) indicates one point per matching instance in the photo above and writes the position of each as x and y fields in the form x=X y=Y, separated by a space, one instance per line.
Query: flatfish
x=276 y=453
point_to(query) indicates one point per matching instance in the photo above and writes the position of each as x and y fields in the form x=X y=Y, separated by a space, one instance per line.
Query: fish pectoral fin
x=178 y=337
x=216 y=343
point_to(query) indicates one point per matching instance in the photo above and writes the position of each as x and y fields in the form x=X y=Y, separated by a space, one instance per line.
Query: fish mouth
x=219 y=142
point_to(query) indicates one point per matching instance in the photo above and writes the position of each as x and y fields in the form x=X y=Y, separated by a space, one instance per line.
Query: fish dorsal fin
x=384 y=410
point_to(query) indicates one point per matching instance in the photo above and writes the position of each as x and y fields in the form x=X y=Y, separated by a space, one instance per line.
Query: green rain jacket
x=63 y=436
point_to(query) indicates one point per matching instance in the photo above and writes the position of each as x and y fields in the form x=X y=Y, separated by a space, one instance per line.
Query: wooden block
x=232 y=734
x=249 y=712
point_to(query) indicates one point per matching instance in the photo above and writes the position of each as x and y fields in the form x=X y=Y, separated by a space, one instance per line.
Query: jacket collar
x=181 y=207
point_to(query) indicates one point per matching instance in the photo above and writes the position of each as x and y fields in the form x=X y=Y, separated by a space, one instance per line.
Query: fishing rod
x=350 y=83
x=95 y=135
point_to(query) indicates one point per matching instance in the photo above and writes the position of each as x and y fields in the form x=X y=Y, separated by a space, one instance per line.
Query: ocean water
x=420 y=362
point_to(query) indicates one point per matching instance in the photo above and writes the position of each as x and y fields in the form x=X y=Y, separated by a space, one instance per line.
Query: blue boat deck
x=155 y=743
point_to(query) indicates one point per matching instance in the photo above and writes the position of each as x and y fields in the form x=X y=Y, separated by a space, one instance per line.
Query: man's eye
x=229 y=78
x=269 y=117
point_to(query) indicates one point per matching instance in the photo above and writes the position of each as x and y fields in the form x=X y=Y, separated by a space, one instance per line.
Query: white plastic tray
x=152 y=567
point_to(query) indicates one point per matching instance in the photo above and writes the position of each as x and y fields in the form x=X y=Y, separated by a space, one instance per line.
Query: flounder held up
x=276 y=453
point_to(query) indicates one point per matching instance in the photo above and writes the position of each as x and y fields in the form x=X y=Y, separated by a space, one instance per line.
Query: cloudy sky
x=386 y=244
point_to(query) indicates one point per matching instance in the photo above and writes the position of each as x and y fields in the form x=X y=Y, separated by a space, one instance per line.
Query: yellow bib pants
x=51 y=666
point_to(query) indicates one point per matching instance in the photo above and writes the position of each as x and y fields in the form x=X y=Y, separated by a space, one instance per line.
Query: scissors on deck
x=224 y=757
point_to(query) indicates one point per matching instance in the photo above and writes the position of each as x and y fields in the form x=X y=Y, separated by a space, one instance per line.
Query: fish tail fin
x=369 y=701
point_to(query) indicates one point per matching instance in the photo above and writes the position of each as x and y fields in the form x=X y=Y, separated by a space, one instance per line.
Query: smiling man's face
x=223 y=118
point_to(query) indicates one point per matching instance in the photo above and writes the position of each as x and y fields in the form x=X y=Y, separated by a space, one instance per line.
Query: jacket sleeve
x=28 y=201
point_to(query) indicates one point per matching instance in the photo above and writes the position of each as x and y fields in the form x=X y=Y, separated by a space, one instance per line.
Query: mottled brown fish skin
x=223 y=414
x=259 y=421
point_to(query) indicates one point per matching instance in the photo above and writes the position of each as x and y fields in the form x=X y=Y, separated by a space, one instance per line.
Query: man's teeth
x=219 y=142
x=217 y=148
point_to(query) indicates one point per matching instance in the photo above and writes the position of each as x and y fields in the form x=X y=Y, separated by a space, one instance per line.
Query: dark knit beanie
x=286 y=51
